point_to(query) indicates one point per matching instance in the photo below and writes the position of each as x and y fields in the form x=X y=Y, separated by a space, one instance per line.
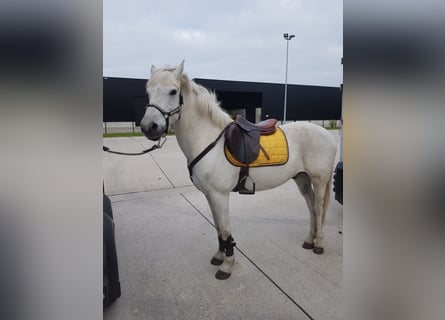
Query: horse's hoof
x=216 y=261
x=318 y=250
x=308 y=245
x=221 y=275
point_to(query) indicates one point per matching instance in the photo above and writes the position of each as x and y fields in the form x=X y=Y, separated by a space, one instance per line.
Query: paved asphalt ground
x=165 y=240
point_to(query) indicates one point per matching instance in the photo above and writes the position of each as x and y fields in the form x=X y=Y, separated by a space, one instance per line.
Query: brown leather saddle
x=242 y=138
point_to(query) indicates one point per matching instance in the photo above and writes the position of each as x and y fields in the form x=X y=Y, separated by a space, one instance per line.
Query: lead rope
x=154 y=147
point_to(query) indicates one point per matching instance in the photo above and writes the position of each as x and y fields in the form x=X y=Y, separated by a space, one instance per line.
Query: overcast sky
x=231 y=40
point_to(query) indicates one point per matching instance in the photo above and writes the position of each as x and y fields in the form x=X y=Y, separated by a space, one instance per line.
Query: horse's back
x=309 y=133
x=313 y=145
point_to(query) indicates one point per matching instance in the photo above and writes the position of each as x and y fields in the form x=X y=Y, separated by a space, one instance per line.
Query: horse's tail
x=327 y=195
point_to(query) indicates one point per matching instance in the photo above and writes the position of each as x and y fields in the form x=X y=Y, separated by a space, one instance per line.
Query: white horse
x=198 y=122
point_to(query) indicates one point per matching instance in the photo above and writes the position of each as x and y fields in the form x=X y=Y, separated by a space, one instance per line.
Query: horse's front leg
x=218 y=257
x=224 y=256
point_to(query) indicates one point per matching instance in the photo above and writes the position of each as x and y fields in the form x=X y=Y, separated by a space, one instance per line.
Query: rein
x=154 y=147
x=205 y=151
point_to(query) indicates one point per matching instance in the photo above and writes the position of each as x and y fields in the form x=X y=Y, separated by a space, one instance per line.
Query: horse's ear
x=179 y=69
x=153 y=69
x=185 y=83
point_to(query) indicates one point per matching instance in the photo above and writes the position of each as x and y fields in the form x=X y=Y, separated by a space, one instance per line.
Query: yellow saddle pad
x=275 y=145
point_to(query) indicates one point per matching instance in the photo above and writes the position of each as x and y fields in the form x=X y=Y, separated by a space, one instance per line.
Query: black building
x=125 y=99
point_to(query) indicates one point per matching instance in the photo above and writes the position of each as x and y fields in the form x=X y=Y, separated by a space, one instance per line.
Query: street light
x=287 y=37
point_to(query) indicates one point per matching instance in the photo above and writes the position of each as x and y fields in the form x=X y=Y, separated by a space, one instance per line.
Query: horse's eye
x=173 y=92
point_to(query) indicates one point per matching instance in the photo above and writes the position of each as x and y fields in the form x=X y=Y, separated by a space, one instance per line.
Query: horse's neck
x=194 y=132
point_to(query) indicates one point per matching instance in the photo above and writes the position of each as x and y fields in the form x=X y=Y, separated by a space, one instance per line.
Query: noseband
x=166 y=114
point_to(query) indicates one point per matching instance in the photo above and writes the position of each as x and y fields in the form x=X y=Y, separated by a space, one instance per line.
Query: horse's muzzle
x=152 y=130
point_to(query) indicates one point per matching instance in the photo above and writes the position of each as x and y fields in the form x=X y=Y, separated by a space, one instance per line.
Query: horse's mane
x=207 y=102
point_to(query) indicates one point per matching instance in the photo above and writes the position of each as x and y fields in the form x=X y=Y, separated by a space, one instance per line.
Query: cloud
x=226 y=40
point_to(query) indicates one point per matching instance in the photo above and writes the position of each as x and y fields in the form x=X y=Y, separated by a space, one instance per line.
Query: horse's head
x=165 y=107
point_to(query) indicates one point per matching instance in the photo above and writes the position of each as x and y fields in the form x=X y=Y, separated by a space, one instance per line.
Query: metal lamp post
x=287 y=37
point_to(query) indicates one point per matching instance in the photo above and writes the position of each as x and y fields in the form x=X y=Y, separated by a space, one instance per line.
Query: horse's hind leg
x=304 y=185
x=319 y=192
x=224 y=256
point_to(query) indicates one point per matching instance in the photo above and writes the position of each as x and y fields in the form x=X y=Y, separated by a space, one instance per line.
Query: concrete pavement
x=165 y=242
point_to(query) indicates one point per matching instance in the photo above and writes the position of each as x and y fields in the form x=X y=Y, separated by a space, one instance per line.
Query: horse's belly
x=270 y=177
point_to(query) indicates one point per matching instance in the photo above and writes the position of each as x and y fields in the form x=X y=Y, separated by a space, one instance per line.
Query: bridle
x=166 y=114
x=161 y=142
